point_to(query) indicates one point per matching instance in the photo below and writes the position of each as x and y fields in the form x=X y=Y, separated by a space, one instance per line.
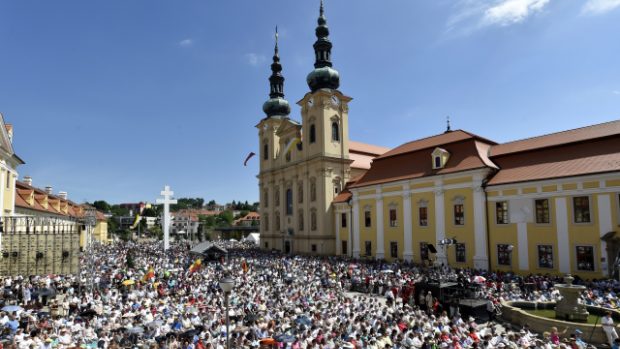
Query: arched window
x=266 y=222
x=265 y=151
x=266 y=198
x=300 y=192
x=312 y=133
x=277 y=221
x=335 y=132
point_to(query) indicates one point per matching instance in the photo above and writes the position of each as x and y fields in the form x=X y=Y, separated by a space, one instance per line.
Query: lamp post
x=226 y=284
x=90 y=218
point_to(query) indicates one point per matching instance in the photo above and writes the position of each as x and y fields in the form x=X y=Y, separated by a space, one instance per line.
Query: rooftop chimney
x=62 y=195
x=49 y=190
x=28 y=180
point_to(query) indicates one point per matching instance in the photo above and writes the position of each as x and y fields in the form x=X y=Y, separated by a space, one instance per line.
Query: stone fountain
x=569 y=308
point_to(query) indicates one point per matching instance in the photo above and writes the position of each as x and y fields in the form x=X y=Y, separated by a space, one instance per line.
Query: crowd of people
x=135 y=295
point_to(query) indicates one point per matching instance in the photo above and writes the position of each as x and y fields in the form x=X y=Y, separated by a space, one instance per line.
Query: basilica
x=547 y=204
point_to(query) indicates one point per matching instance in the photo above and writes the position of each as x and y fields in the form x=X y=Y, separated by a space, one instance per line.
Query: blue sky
x=114 y=99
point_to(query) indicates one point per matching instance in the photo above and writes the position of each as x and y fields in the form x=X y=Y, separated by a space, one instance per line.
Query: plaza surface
x=137 y=295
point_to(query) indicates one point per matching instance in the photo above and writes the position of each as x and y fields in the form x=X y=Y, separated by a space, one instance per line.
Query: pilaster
x=356 y=226
x=524 y=255
x=561 y=219
x=481 y=259
x=380 y=253
x=605 y=226
x=407 y=226
x=440 y=223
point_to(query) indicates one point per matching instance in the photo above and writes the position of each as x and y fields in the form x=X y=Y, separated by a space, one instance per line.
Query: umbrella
x=189 y=334
x=479 y=279
x=303 y=320
x=88 y=313
x=47 y=292
x=284 y=338
x=240 y=329
x=10 y=308
x=128 y=282
x=136 y=329
x=268 y=341
x=387 y=271
x=155 y=323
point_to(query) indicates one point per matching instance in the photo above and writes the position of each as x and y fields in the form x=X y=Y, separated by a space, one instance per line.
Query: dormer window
x=440 y=158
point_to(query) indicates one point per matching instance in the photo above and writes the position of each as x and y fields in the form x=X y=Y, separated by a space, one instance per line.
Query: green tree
x=224 y=219
x=150 y=212
x=112 y=224
x=118 y=211
x=187 y=203
x=102 y=206
x=242 y=214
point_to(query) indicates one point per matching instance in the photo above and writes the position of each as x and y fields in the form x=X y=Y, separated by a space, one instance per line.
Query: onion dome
x=276 y=106
x=323 y=75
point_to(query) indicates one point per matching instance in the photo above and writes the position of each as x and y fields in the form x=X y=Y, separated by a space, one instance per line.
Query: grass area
x=550 y=314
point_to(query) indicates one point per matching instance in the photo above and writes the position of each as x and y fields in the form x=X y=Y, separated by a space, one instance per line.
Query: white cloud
x=510 y=12
x=254 y=59
x=471 y=15
x=186 y=42
x=597 y=7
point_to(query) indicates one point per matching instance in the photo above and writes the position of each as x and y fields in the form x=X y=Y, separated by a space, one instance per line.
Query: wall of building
x=562 y=233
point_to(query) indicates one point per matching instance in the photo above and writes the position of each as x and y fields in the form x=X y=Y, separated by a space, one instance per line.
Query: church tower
x=304 y=165
x=276 y=110
x=325 y=128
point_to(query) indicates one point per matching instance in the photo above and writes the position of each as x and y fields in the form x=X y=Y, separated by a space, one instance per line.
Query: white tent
x=253 y=237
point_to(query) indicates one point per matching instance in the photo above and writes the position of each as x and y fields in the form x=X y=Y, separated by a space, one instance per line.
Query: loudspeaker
x=432 y=248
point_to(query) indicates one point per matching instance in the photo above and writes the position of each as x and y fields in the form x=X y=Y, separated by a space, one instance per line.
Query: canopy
x=208 y=247
x=253 y=237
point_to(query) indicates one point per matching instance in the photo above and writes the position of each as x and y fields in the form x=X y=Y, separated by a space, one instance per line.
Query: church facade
x=547 y=204
x=304 y=165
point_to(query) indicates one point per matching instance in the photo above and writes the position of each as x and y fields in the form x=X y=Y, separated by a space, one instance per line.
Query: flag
x=244 y=266
x=292 y=143
x=245 y=163
x=195 y=266
x=136 y=221
x=149 y=274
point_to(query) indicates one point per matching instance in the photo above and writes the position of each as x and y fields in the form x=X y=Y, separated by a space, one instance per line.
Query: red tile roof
x=23 y=192
x=368 y=149
x=434 y=141
x=560 y=138
x=413 y=160
x=344 y=196
x=362 y=154
x=595 y=156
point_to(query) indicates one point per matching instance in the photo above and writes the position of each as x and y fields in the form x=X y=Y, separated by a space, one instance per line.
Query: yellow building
x=548 y=204
x=418 y=194
x=43 y=203
x=8 y=169
x=556 y=200
x=304 y=165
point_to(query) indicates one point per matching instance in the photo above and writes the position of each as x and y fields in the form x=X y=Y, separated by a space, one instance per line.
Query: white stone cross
x=167 y=200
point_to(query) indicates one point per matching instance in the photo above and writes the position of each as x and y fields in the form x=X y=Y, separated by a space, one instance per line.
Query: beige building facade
x=305 y=165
